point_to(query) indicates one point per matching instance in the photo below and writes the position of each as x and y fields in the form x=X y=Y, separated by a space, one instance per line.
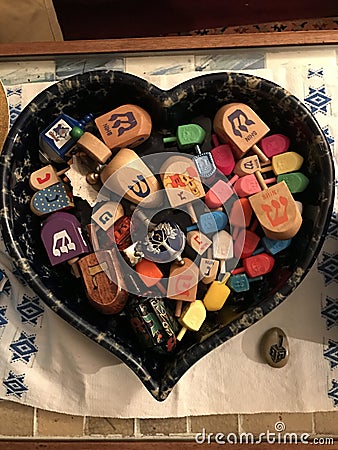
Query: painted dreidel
x=246 y=241
x=54 y=198
x=153 y=323
x=240 y=215
x=275 y=144
x=182 y=183
x=55 y=140
x=238 y=124
x=62 y=237
x=105 y=214
x=247 y=165
x=256 y=265
x=91 y=145
x=217 y=294
x=125 y=126
x=45 y=177
x=248 y=185
x=105 y=295
x=150 y=274
x=241 y=283
x=198 y=241
x=274 y=246
x=208 y=268
x=284 y=163
x=276 y=210
x=222 y=156
x=192 y=318
x=209 y=223
x=220 y=193
x=128 y=176
x=296 y=181
x=164 y=243
x=222 y=249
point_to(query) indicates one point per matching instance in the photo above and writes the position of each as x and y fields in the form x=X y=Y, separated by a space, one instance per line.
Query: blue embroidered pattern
x=331 y=353
x=329 y=267
x=30 y=310
x=315 y=72
x=333 y=392
x=15 y=384
x=330 y=312
x=3 y=318
x=318 y=100
x=23 y=348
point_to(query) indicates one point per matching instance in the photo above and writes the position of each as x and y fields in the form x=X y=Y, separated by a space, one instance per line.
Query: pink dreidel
x=274 y=144
x=62 y=237
x=249 y=185
x=219 y=193
x=222 y=156
x=240 y=215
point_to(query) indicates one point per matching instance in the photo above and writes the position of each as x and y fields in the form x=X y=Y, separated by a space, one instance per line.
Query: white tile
x=26 y=72
x=159 y=65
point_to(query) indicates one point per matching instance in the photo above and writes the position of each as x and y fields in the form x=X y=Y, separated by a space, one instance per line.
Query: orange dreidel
x=91 y=145
x=238 y=124
x=128 y=176
x=256 y=266
x=150 y=274
x=198 y=241
x=45 y=177
x=284 y=163
x=126 y=126
x=276 y=210
x=240 y=215
x=217 y=294
x=192 y=318
x=222 y=248
x=182 y=183
x=274 y=144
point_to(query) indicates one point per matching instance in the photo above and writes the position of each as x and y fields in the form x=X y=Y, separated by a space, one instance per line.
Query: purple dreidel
x=62 y=237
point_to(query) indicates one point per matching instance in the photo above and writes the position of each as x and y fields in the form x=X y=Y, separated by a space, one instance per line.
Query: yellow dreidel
x=128 y=176
x=276 y=210
x=284 y=163
x=192 y=318
x=239 y=124
x=217 y=294
x=182 y=183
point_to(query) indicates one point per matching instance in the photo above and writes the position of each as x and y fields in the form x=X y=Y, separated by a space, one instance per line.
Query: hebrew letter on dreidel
x=237 y=115
x=272 y=212
x=64 y=239
x=130 y=120
x=137 y=187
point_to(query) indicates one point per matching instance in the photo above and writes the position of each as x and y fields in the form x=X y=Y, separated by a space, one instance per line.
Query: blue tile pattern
x=331 y=353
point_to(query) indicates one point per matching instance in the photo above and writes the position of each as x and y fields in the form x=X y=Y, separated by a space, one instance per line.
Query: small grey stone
x=275 y=347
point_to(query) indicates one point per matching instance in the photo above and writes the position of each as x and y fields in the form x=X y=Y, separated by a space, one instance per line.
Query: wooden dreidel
x=45 y=177
x=219 y=193
x=222 y=156
x=105 y=295
x=217 y=294
x=274 y=246
x=208 y=270
x=54 y=198
x=121 y=233
x=182 y=183
x=91 y=145
x=128 y=176
x=247 y=165
x=62 y=237
x=284 y=163
x=295 y=181
x=222 y=249
x=249 y=185
x=276 y=210
x=55 y=141
x=125 y=126
x=105 y=214
x=209 y=223
x=198 y=241
x=183 y=281
x=274 y=144
x=164 y=243
x=241 y=283
x=238 y=124
x=192 y=318
x=256 y=266
x=150 y=274
x=192 y=136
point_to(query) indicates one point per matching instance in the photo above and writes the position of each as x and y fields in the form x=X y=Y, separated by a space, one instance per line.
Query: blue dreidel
x=209 y=223
x=241 y=283
x=51 y=199
x=192 y=136
x=274 y=246
x=55 y=141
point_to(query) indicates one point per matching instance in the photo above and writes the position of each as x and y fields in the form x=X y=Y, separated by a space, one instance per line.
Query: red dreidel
x=217 y=294
x=238 y=124
x=241 y=283
x=274 y=144
x=240 y=215
x=150 y=274
x=246 y=241
x=45 y=177
x=182 y=184
x=125 y=126
x=192 y=318
x=223 y=156
x=220 y=193
x=276 y=210
x=256 y=266
x=249 y=185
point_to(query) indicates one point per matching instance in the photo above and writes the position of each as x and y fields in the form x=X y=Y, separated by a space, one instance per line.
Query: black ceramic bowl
x=99 y=92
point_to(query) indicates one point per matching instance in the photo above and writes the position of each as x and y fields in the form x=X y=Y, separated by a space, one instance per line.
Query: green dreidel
x=295 y=181
x=193 y=135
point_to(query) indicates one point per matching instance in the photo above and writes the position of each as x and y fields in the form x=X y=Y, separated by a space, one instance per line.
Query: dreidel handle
x=191 y=213
x=260 y=154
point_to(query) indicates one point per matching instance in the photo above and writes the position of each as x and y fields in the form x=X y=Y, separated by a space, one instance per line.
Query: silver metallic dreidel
x=192 y=136
x=275 y=347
